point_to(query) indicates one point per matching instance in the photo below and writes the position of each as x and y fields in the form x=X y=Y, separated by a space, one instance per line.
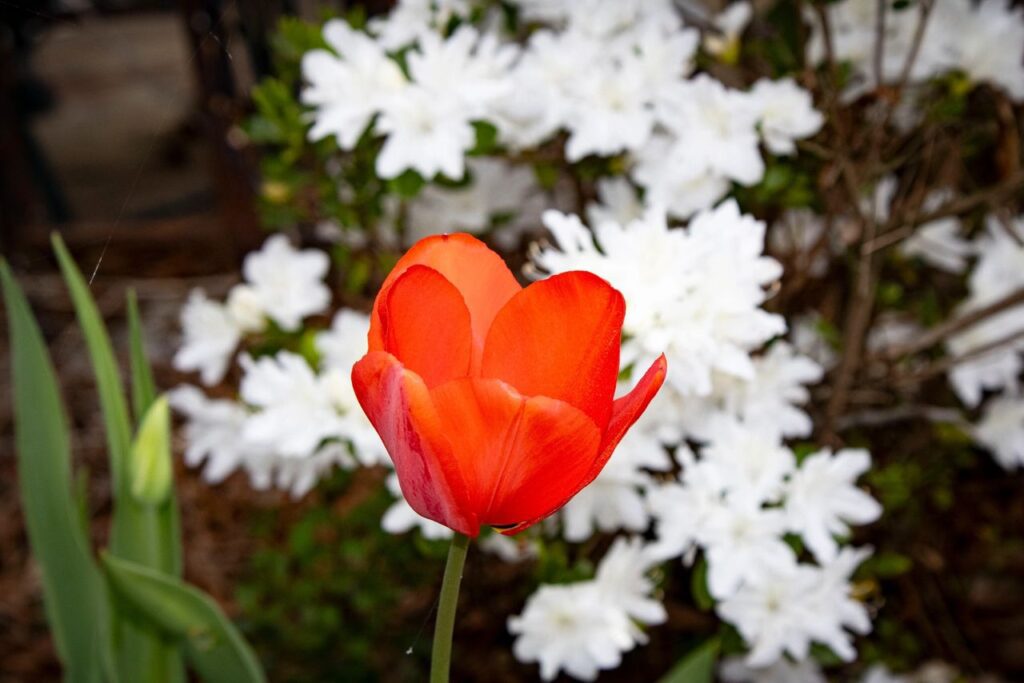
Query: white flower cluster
x=282 y=286
x=982 y=40
x=991 y=349
x=614 y=77
x=695 y=293
x=585 y=627
x=292 y=422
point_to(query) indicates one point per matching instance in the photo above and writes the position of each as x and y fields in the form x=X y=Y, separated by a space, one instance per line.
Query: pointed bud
x=150 y=463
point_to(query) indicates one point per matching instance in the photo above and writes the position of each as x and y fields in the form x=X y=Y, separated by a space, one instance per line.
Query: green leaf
x=212 y=644
x=407 y=185
x=137 y=531
x=696 y=667
x=143 y=386
x=699 y=586
x=72 y=588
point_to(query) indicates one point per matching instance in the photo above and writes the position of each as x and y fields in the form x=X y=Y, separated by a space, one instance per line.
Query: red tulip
x=496 y=402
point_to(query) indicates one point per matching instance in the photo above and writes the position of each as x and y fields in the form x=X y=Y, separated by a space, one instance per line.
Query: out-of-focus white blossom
x=571 y=628
x=1001 y=430
x=287 y=283
x=294 y=411
x=213 y=433
x=785 y=113
x=822 y=499
x=785 y=608
x=211 y=336
x=799 y=237
x=347 y=87
x=498 y=194
x=584 y=627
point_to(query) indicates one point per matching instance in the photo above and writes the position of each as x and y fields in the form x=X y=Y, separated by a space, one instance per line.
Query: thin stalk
x=440 y=658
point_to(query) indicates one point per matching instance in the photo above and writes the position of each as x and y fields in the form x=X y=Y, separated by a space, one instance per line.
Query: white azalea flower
x=623 y=577
x=666 y=171
x=1001 y=430
x=212 y=433
x=742 y=540
x=880 y=674
x=410 y=20
x=294 y=412
x=347 y=88
x=939 y=243
x=571 y=628
x=753 y=455
x=211 y=337
x=822 y=499
x=786 y=113
x=617 y=203
x=799 y=237
x=246 y=309
x=770 y=611
x=498 y=190
x=714 y=128
x=287 y=282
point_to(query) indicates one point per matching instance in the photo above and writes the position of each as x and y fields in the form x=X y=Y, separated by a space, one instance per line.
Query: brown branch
x=946 y=364
x=954 y=325
x=954 y=207
x=880 y=418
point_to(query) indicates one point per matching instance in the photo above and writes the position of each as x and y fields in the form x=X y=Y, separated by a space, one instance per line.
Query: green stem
x=440 y=658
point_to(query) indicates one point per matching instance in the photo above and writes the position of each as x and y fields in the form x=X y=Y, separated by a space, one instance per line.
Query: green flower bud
x=150 y=463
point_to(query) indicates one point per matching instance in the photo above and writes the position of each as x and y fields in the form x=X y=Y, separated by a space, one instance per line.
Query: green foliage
x=96 y=639
x=330 y=597
x=699 y=585
x=184 y=615
x=72 y=587
x=697 y=667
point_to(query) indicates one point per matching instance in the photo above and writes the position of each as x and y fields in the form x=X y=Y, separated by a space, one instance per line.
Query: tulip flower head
x=495 y=402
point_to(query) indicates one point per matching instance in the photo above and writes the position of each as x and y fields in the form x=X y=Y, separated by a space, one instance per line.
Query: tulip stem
x=440 y=658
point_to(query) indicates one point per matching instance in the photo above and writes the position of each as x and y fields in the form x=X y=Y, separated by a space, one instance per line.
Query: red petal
x=560 y=338
x=554 y=449
x=626 y=411
x=398 y=404
x=520 y=458
x=425 y=325
x=479 y=274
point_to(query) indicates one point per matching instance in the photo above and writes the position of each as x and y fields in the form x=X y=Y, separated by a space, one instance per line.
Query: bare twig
x=943 y=366
x=954 y=207
x=954 y=325
x=879 y=56
x=887 y=416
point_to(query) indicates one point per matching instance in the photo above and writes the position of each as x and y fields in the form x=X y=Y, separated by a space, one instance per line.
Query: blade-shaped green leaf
x=143 y=385
x=696 y=667
x=212 y=644
x=136 y=531
x=143 y=395
x=73 y=591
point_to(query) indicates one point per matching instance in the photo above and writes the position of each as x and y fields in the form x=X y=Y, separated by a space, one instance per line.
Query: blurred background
x=121 y=128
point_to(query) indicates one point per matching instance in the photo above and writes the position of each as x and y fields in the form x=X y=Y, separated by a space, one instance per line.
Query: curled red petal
x=625 y=412
x=479 y=274
x=398 y=404
x=560 y=338
x=425 y=325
